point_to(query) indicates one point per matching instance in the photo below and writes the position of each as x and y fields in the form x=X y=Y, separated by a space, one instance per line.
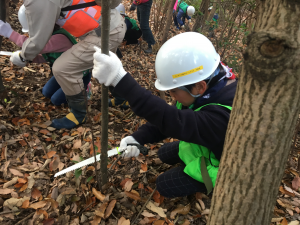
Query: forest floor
x=32 y=152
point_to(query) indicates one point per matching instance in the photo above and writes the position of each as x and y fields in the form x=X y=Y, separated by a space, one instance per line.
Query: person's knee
x=58 y=101
x=162 y=187
x=46 y=92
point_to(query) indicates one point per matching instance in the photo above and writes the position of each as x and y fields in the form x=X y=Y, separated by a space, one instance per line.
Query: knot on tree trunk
x=269 y=54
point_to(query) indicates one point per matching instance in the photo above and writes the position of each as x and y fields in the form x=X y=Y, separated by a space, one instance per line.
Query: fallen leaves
x=183 y=210
x=98 y=194
x=296 y=183
x=133 y=195
x=151 y=206
x=38 y=205
x=110 y=208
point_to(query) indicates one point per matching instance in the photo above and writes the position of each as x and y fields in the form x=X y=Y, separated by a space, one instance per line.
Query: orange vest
x=81 y=21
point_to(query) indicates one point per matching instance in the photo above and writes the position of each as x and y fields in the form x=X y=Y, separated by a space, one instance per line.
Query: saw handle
x=143 y=149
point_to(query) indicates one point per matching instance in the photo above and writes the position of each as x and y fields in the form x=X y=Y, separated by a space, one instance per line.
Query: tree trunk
x=168 y=22
x=263 y=119
x=105 y=24
x=2 y=17
x=202 y=15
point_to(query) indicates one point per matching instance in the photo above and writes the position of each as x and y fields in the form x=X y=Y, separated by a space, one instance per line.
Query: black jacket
x=206 y=127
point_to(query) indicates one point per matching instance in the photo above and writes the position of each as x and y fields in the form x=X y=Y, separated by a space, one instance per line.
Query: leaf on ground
x=49 y=221
x=38 y=205
x=123 y=221
x=16 y=172
x=14 y=202
x=11 y=182
x=40 y=211
x=158 y=198
x=6 y=191
x=53 y=165
x=35 y=193
x=147 y=214
x=100 y=211
x=186 y=222
x=296 y=183
x=110 y=208
x=284 y=222
x=128 y=185
x=132 y=195
x=144 y=167
x=155 y=209
x=44 y=131
x=23 y=143
x=25 y=204
x=77 y=144
x=98 y=194
x=295 y=222
x=159 y=222
x=123 y=182
x=285 y=192
x=96 y=220
x=49 y=155
x=183 y=210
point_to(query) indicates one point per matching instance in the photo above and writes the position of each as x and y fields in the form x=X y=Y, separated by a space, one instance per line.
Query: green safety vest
x=182 y=5
x=51 y=57
x=200 y=163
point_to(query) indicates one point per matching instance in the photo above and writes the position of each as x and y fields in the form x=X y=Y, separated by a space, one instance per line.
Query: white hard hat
x=184 y=59
x=22 y=19
x=190 y=11
x=121 y=9
x=210 y=8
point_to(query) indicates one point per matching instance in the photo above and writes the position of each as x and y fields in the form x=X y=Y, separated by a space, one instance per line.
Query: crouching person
x=204 y=90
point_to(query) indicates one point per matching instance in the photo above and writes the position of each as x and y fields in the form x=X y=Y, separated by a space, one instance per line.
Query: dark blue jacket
x=206 y=127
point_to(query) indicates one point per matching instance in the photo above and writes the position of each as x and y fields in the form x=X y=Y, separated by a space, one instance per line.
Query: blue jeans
x=143 y=14
x=53 y=90
x=181 y=18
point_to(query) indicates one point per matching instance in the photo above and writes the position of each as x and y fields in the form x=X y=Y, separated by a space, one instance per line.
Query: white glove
x=108 y=70
x=131 y=150
x=16 y=59
x=190 y=20
x=5 y=29
x=182 y=26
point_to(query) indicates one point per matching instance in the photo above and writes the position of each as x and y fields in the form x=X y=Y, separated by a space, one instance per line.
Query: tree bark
x=168 y=22
x=265 y=110
x=200 y=19
x=105 y=24
x=2 y=17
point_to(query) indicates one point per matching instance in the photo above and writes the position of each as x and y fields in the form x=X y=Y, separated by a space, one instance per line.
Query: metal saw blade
x=87 y=162
x=5 y=53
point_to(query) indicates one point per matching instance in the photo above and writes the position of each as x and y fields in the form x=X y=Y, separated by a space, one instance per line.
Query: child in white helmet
x=184 y=11
x=189 y=67
x=59 y=42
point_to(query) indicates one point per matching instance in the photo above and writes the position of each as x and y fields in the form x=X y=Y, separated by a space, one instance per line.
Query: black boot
x=76 y=116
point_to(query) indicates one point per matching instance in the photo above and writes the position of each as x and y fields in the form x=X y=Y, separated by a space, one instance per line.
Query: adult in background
x=82 y=19
x=143 y=14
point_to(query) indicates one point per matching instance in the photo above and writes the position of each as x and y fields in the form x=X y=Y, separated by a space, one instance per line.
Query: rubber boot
x=76 y=116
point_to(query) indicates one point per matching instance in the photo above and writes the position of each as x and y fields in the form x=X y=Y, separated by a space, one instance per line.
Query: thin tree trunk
x=168 y=22
x=105 y=24
x=2 y=17
x=262 y=122
x=200 y=19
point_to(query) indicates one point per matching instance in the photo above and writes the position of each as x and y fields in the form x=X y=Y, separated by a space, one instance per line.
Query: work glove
x=5 y=29
x=108 y=70
x=132 y=7
x=182 y=27
x=190 y=20
x=15 y=58
x=131 y=150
